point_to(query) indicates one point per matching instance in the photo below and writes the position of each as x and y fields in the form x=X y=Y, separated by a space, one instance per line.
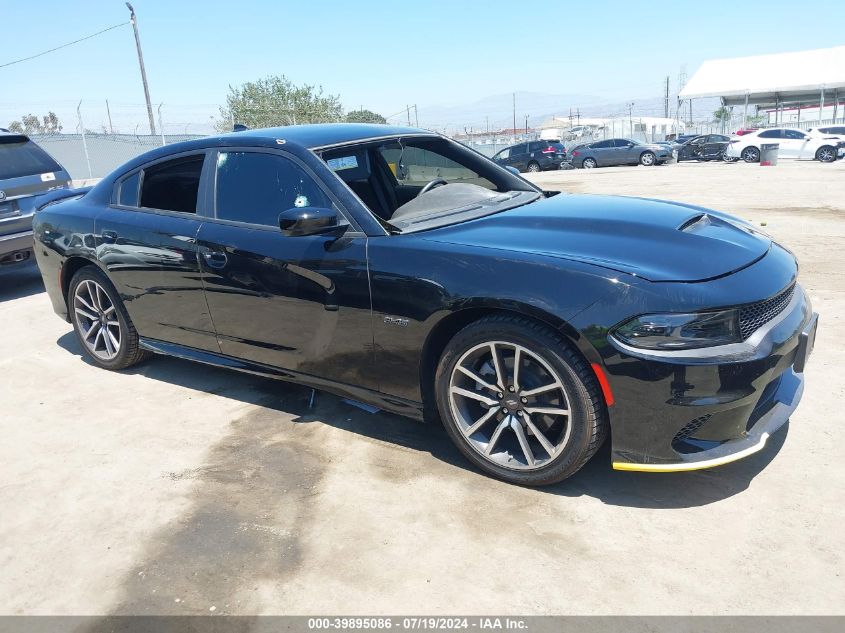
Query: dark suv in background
x=532 y=156
x=26 y=170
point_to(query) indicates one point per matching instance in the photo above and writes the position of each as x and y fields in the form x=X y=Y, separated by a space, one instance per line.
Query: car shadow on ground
x=20 y=280
x=597 y=479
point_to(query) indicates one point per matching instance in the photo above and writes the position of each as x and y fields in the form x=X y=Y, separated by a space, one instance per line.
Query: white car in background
x=792 y=144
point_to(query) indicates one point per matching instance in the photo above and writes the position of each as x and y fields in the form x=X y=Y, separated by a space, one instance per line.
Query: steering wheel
x=437 y=182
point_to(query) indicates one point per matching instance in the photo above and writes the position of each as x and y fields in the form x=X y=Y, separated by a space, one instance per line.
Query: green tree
x=364 y=116
x=275 y=100
x=31 y=124
x=722 y=114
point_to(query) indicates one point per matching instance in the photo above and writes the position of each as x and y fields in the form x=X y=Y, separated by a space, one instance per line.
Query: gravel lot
x=178 y=488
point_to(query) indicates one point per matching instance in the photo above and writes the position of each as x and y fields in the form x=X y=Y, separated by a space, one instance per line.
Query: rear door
x=146 y=239
x=297 y=303
x=602 y=152
x=773 y=136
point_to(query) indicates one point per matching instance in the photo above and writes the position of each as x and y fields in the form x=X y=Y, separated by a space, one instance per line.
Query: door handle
x=215 y=259
x=109 y=237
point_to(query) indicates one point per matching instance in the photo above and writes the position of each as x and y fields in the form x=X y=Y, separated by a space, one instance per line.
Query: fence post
x=160 y=126
x=84 y=142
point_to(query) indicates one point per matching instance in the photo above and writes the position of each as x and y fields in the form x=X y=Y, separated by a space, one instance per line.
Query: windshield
x=417 y=183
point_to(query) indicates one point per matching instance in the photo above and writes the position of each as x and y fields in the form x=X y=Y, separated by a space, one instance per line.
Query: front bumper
x=711 y=408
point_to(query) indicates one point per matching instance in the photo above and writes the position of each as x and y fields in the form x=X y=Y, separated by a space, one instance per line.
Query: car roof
x=323 y=134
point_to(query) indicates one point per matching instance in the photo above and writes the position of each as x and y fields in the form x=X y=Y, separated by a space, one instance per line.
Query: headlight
x=680 y=331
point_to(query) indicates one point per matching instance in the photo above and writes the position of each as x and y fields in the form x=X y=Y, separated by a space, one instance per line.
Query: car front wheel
x=101 y=322
x=519 y=402
x=826 y=154
x=647 y=159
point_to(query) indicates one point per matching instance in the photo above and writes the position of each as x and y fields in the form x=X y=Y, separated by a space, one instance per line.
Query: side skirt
x=399 y=406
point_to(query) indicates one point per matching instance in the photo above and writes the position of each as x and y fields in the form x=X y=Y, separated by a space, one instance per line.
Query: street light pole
x=141 y=63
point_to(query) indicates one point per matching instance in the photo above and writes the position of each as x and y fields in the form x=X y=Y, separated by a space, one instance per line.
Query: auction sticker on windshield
x=344 y=162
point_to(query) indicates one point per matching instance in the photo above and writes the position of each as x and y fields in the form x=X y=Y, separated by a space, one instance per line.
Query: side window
x=519 y=149
x=128 y=194
x=770 y=134
x=505 y=153
x=601 y=145
x=256 y=187
x=173 y=185
x=535 y=146
x=794 y=134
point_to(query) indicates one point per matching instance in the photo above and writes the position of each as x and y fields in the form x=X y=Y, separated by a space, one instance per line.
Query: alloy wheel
x=647 y=159
x=533 y=167
x=751 y=155
x=588 y=163
x=826 y=155
x=97 y=320
x=510 y=405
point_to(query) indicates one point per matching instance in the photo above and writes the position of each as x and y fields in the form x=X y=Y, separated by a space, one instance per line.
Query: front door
x=298 y=303
x=146 y=239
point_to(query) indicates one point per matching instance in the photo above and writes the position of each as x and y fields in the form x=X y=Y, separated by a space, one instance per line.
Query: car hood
x=652 y=239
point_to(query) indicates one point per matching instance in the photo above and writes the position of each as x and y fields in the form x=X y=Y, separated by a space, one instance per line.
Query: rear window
x=24 y=158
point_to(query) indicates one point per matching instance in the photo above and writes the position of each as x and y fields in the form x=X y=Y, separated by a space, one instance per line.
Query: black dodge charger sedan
x=399 y=268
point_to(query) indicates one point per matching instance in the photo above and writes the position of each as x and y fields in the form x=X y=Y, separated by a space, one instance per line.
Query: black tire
x=648 y=159
x=534 y=167
x=589 y=163
x=826 y=154
x=587 y=420
x=750 y=154
x=129 y=352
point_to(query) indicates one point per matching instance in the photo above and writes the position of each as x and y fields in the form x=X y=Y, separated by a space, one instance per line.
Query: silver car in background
x=619 y=151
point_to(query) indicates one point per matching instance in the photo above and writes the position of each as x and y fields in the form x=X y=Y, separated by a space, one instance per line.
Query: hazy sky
x=383 y=55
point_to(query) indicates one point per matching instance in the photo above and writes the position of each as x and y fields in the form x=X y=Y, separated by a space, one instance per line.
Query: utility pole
x=408 y=112
x=514 y=114
x=111 y=129
x=141 y=63
x=416 y=116
x=526 y=126
x=666 y=101
x=631 y=117
x=487 y=123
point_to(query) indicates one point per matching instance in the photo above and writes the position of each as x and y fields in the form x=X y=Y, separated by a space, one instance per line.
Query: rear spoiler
x=57 y=195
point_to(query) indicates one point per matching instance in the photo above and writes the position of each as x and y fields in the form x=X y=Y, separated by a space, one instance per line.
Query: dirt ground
x=179 y=488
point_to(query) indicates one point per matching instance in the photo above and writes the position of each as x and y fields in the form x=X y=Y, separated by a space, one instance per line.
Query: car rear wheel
x=750 y=155
x=826 y=154
x=533 y=167
x=519 y=402
x=647 y=159
x=588 y=163
x=101 y=322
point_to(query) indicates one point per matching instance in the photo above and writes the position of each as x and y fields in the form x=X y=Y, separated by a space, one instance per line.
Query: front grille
x=754 y=316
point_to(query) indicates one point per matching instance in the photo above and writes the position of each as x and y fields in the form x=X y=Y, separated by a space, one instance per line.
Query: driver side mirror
x=301 y=221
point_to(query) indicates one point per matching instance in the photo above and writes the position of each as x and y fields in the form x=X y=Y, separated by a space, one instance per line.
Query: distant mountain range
x=496 y=111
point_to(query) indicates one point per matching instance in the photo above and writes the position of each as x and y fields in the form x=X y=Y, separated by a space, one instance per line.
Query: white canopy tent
x=772 y=80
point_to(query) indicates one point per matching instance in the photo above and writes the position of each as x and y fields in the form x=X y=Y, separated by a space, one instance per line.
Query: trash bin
x=769 y=154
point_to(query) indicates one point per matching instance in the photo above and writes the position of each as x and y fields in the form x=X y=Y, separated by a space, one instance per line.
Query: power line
x=82 y=39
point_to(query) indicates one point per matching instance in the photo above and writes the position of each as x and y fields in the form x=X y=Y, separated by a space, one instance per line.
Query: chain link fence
x=94 y=139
